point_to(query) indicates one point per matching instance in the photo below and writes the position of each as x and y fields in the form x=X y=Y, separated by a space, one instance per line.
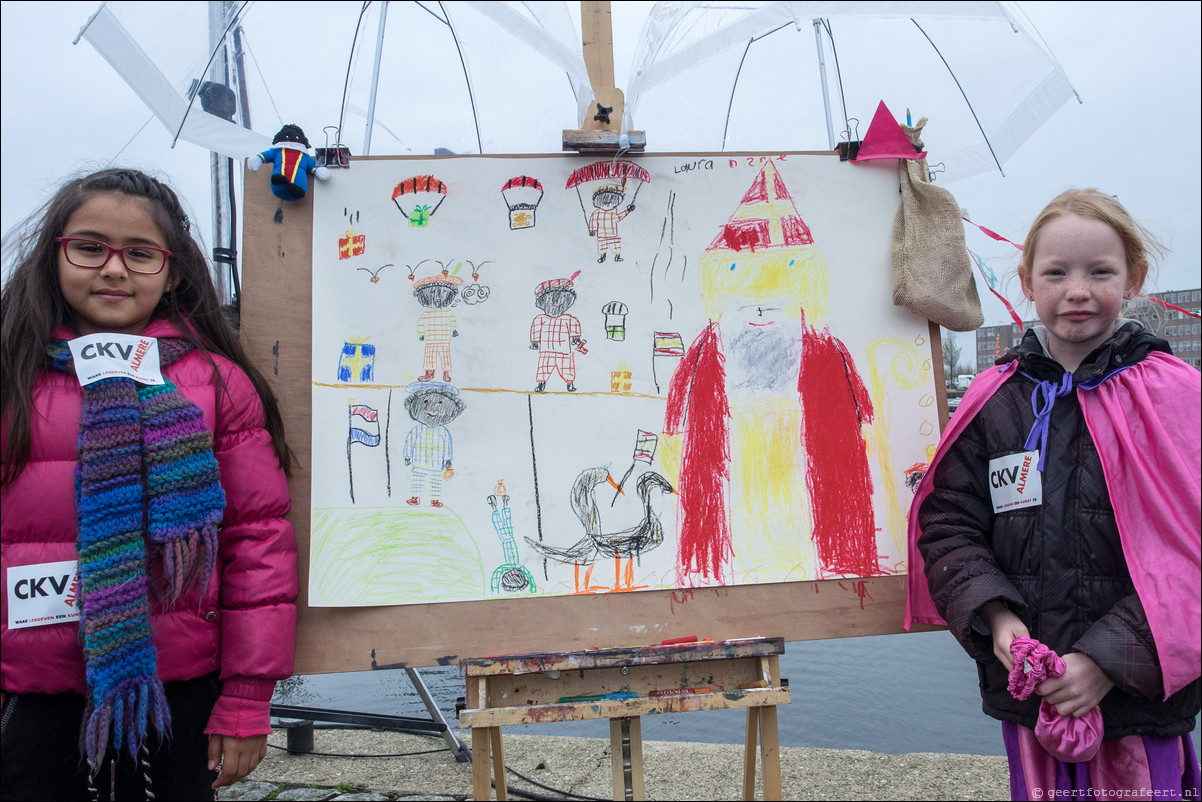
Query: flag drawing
x=644 y=446
x=665 y=343
x=644 y=451
x=364 y=427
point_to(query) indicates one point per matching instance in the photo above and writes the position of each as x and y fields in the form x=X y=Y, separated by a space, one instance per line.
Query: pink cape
x=1145 y=424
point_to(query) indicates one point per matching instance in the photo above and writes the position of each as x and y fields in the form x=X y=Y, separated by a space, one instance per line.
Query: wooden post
x=749 y=747
x=626 y=757
x=596 y=23
x=603 y=124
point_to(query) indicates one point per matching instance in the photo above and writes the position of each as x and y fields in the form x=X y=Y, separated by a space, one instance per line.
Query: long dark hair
x=32 y=304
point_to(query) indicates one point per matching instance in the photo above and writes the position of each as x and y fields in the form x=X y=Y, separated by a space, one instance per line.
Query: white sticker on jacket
x=43 y=594
x=1014 y=482
x=107 y=356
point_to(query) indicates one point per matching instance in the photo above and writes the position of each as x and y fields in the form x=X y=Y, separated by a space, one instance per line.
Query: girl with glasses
x=145 y=516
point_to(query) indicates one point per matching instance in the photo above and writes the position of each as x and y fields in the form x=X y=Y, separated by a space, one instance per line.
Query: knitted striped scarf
x=146 y=476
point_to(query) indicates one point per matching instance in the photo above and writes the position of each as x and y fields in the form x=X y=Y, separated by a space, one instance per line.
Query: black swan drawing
x=626 y=544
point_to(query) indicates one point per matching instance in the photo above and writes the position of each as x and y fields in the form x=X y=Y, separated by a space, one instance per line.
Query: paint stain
x=279 y=216
x=861 y=590
x=679 y=597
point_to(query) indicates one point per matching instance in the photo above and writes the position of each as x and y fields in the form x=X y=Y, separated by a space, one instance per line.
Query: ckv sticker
x=1015 y=482
x=107 y=356
x=46 y=593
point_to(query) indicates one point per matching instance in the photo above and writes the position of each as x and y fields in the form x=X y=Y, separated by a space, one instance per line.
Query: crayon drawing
x=555 y=334
x=522 y=195
x=719 y=394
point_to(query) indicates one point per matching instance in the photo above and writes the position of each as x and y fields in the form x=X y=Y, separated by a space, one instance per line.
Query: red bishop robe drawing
x=774 y=478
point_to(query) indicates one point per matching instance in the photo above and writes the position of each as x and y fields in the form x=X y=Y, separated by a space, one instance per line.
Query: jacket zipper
x=9 y=708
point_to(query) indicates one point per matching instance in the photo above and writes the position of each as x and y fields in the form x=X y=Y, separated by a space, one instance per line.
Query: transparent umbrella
x=711 y=76
x=464 y=77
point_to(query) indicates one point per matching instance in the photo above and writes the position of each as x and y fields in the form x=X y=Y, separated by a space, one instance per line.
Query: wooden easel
x=623 y=685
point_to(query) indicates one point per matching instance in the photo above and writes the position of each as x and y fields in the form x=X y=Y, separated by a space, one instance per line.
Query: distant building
x=993 y=341
x=1183 y=332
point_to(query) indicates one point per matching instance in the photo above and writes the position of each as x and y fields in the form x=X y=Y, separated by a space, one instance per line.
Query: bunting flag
x=991 y=281
x=988 y=274
x=1168 y=305
x=988 y=233
x=886 y=139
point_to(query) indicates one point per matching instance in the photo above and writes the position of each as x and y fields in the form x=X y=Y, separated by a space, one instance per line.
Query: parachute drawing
x=522 y=195
x=610 y=201
x=611 y=171
x=418 y=198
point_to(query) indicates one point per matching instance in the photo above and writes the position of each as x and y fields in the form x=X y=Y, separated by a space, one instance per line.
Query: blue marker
x=597 y=697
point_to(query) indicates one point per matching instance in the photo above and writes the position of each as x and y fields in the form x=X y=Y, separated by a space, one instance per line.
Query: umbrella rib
x=968 y=102
x=422 y=6
x=349 y=62
x=259 y=70
x=131 y=139
x=221 y=43
x=735 y=84
x=466 y=77
x=830 y=34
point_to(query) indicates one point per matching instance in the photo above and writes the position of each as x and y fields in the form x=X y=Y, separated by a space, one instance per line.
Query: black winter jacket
x=1059 y=566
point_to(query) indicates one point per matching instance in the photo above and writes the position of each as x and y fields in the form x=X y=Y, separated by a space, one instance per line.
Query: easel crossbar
x=622 y=708
x=610 y=658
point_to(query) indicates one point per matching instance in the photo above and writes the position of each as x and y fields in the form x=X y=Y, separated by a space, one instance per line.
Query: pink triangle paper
x=886 y=139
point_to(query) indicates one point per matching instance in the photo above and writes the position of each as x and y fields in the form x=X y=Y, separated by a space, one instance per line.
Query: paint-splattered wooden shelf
x=622 y=708
x=616 y=657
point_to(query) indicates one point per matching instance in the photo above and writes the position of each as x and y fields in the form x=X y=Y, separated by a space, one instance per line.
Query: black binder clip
x=333 y=156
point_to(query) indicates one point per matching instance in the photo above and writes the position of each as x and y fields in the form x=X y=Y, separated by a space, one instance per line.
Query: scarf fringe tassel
x=129 y=713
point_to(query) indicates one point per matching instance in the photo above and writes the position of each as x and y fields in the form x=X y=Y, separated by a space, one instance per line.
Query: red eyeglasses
x=144 y=259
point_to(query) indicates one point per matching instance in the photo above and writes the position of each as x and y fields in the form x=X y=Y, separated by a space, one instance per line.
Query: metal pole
x=240 y=75
x=219 y=166
x=375 y=80
x=452 y=741
x=826 y=98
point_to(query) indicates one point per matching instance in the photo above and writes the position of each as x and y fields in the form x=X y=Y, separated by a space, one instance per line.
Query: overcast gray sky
x=1135 y=65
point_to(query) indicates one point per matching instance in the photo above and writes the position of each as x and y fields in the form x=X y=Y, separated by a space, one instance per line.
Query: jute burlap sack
x=932 y=271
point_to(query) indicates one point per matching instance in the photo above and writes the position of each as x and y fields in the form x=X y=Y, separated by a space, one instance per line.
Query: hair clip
x=185 y=223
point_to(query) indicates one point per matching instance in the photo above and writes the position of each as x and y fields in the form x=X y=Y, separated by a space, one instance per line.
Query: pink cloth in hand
x=1067 y=738
x=1033 y=663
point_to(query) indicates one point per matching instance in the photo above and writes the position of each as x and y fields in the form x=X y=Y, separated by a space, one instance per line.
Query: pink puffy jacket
x=244 y=623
